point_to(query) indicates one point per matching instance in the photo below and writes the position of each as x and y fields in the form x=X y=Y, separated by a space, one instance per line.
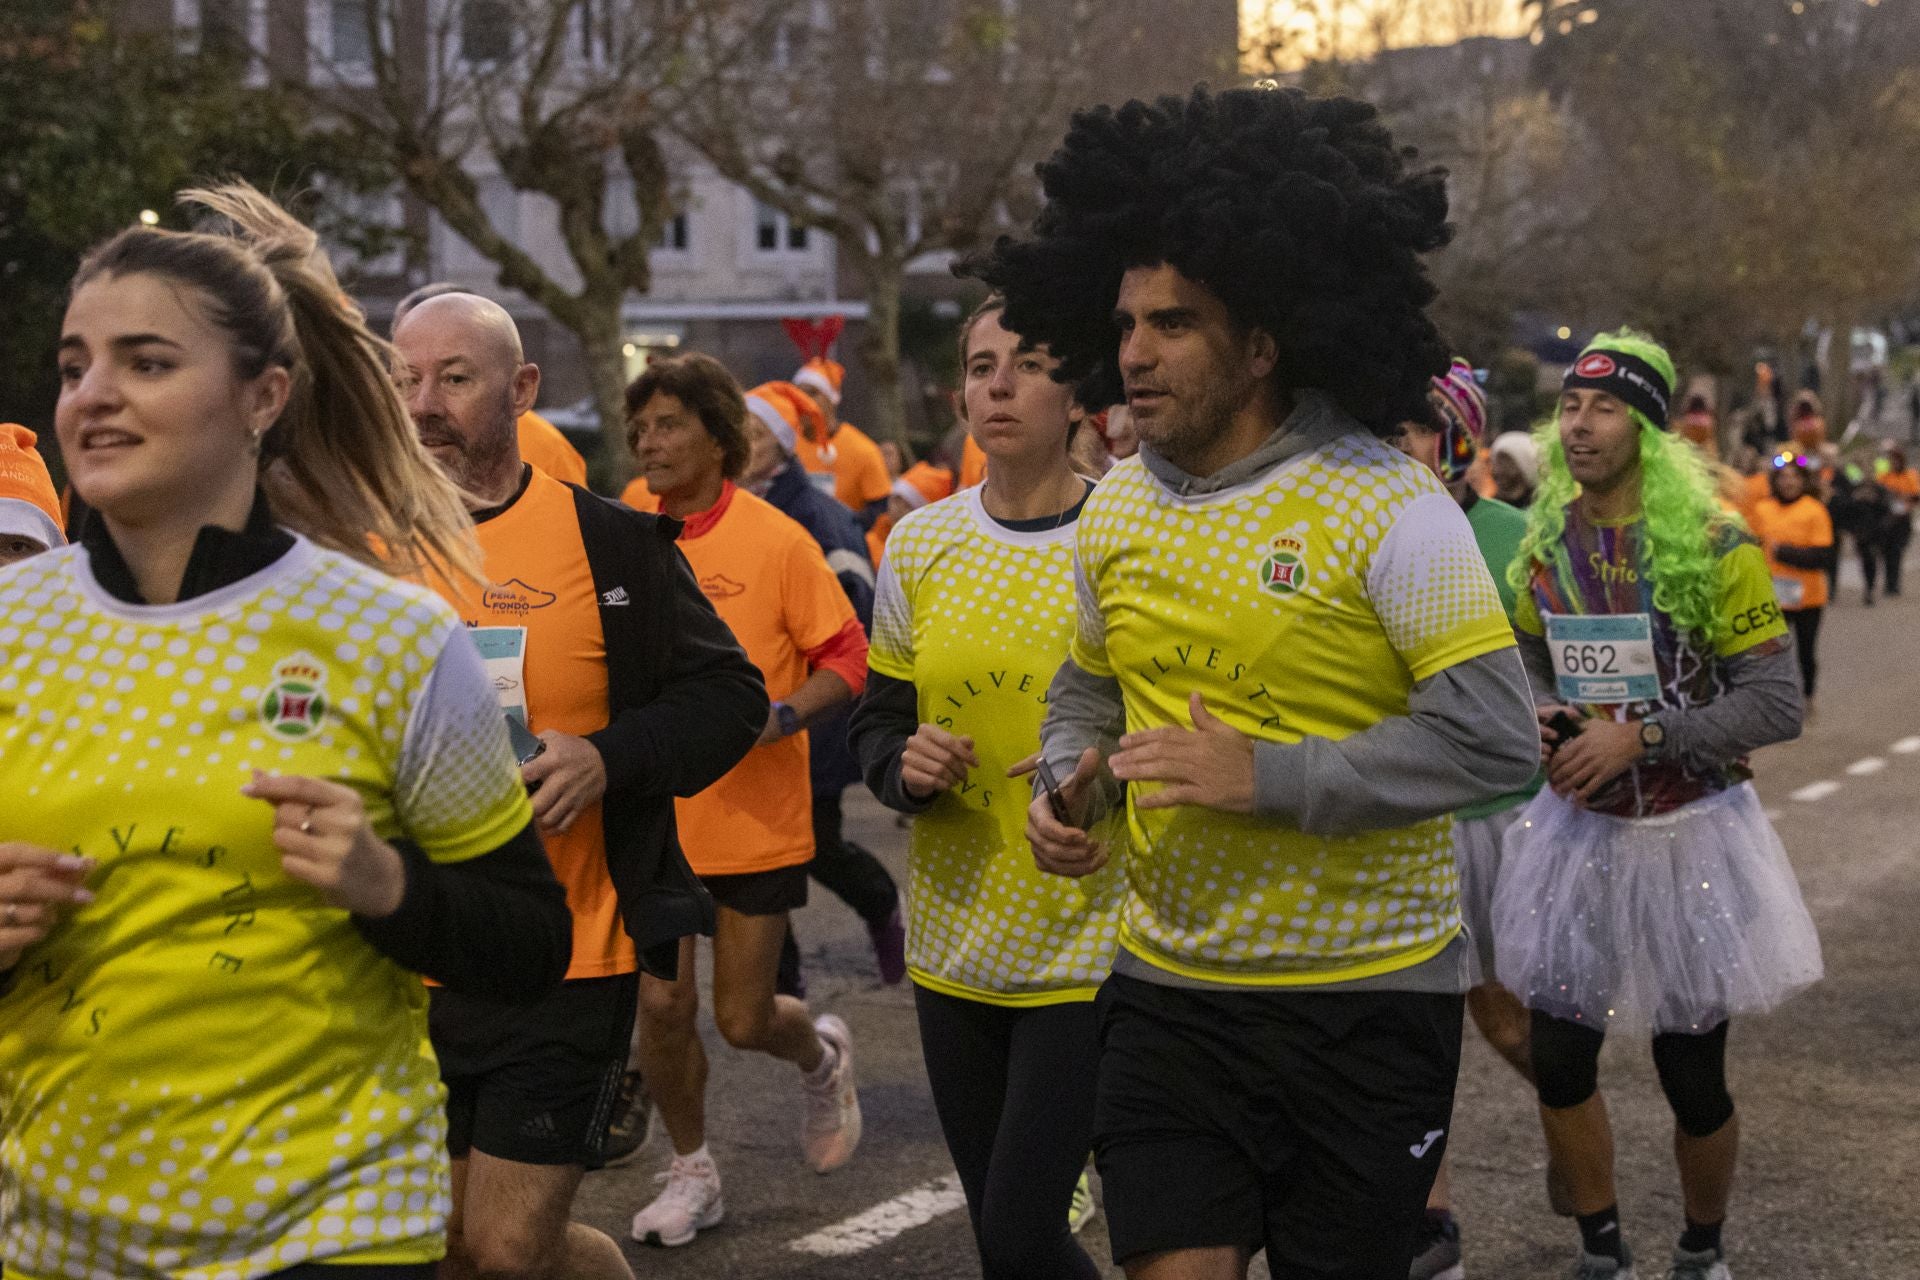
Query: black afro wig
x=1298 y=213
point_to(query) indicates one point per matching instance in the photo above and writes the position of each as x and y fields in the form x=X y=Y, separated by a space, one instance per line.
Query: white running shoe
x=689 y=1204
x=1594 y=1267
x=1707 y=1265
x=831 y=1128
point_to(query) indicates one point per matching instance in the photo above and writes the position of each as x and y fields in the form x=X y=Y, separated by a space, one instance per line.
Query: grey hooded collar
x=1315 y=421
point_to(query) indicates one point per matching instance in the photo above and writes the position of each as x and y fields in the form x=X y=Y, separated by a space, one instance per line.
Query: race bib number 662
x=1606 y=658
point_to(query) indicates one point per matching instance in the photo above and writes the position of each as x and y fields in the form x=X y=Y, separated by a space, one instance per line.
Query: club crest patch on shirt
x=1284 y=571
x=295 y=704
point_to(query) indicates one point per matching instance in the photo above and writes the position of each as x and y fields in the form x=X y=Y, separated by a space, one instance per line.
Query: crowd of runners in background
x=1222 y=662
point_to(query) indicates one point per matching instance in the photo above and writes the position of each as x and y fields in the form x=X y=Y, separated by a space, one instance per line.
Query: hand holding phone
x=1049 y=784
x=1060 y=846
x=1565 y=727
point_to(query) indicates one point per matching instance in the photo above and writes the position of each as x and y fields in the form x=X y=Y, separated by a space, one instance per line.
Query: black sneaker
x=631 y=1125
x=1436 y=1250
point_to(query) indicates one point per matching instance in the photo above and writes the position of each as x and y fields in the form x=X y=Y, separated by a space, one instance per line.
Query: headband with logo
x=1626 y=378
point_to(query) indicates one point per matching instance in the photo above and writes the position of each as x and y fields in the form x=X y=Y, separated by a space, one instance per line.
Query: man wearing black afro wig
x=1289 y=622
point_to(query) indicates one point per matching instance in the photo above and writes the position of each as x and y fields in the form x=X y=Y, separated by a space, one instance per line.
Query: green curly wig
x=1686 y=527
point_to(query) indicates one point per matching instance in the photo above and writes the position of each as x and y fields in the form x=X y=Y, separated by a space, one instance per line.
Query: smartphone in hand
x=1055 y=801
x=525 y=745
x=1565 y=726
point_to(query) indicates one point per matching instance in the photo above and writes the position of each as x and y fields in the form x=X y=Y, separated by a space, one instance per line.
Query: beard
x=1190 y=422
x=472 y=458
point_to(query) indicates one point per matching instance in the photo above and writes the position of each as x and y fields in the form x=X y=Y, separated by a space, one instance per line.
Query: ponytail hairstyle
x=1687 y=530
x=341 y=464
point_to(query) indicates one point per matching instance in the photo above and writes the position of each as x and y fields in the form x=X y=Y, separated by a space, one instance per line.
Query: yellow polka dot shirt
x=207 y=1072
x=978 y=617
x=1306 y=602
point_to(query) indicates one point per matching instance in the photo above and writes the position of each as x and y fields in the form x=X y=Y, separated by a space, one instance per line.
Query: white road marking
x=1815 y=791
x=1861 y=768
x=1906 y=746
x=884 y=1221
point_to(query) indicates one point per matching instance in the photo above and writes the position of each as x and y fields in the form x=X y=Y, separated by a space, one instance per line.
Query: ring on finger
x=12 y=914
x=306 y=823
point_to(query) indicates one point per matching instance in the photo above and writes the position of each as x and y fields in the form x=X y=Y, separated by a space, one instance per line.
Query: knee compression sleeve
x=1566 y=1061
x=1693 y=1074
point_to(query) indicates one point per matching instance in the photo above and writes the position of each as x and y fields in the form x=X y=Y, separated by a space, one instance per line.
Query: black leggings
x=1806 y=643
x=1014 y=1090
x=1893 y=550
x=1693 y=1071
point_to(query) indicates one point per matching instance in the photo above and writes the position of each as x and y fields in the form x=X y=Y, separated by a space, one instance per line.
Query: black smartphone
x=1055 y=801
x=525 y=745
x=1565 y=726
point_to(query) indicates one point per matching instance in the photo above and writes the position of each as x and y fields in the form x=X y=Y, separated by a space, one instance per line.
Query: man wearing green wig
x=1644 y=891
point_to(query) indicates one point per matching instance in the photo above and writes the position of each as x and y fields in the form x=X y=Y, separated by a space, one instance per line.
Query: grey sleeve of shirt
x=1539 y=660
x=1469 y=735
x=1762 y=705
x=1083 y=710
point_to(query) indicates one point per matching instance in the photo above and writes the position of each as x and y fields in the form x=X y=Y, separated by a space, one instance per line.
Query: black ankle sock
x=1701 y=1238
x=1600 y=1233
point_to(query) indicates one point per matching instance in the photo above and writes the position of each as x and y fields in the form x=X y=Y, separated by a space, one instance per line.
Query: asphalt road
x=1826 y=1087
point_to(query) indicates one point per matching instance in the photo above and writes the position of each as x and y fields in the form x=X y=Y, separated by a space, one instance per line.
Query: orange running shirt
x=542 y=444
x=769 y=582
x=1804 y=522
x=1904 y=485
x=638 y=496
x=859 y=472
x=533 y=552
x=973 y=464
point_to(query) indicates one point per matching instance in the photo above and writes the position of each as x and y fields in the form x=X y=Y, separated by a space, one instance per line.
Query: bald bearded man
x=541 y=443
x=625 y=690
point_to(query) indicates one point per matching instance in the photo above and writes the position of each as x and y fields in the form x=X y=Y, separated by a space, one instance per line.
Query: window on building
x=350 y=32
x=486 y=31
x=674 y=234
x=774 y=232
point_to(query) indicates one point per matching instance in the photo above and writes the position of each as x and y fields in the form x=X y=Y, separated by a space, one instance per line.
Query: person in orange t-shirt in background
x=29 y=508
x=749 y=836
x=846 y=462
x=1797 y=533
x=923 y=482
x=1902 y=484
x=544 y=445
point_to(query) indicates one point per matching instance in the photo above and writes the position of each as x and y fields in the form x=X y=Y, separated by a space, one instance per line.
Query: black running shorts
x=1308 y=1123
x=760 y=893
x=534 y=1083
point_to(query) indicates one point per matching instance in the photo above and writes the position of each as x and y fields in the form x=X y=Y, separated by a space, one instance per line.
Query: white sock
x=700 y=1156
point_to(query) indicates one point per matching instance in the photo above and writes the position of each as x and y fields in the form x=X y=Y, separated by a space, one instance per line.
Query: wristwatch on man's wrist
x=787 y=718
x=1653 y=739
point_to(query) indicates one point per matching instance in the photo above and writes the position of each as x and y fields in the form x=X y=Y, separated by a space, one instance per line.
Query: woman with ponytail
x=1644 y=891
x=260 y=786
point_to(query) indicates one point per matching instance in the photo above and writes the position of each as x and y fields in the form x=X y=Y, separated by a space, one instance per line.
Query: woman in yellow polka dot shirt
x=972 y=618
x=258 y=786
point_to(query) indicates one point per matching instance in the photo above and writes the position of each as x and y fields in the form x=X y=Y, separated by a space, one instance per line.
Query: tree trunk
x=600 y=345
x=880 y=350
x=1836 y=379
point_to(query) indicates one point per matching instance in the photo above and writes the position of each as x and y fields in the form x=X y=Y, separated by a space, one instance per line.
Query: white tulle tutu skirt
x=1638 y=925
x=1477 y=849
